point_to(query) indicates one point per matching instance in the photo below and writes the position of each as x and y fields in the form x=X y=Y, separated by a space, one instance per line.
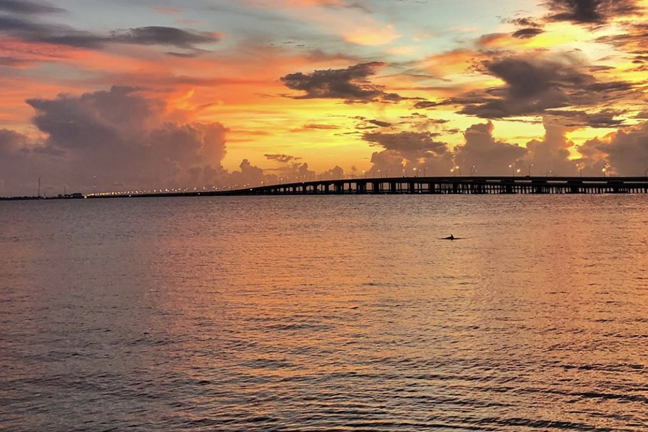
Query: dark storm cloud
x=350 y=84
x=26 y=7
x=590 y=11
x=534 y=85
x=34 y=31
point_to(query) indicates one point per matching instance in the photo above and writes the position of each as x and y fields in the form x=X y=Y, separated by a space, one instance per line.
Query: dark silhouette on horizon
x=468 y=185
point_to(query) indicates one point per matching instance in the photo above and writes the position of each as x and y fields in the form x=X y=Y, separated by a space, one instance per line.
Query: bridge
x=429 y=185
x=457 y=185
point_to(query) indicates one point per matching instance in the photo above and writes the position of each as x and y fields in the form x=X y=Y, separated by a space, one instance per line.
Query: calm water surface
x=325 y=313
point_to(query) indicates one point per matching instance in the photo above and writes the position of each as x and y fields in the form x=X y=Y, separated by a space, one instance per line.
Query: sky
x=118 y=95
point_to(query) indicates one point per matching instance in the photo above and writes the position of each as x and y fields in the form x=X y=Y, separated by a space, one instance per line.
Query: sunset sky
x=142 y=94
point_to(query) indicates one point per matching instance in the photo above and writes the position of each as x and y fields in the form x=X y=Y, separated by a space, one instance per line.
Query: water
x=325 y=313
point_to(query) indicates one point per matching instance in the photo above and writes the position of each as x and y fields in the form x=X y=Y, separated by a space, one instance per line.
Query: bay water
x=313 y=313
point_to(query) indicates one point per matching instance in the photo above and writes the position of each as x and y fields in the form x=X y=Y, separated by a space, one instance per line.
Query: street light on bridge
x=473 y=170
x=547 y=174
x=512 y=170
x=530 y=166
x=414 y=170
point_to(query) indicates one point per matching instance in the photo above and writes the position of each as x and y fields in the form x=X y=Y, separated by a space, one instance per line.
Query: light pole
x=457 y=168
x=473 y=170
x=518 y=170
x=530 y=166
x=387 y=173
x=604 y=170
x=512 y=170
x=414 y=169
x=425 y=172
x=547 y=175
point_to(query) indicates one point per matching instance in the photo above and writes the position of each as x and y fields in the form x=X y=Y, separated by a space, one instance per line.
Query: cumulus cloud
x=293 y=172
x=17 y=174
x=551 y=153
x=412 y=145
x=249 y=175
x=627 y=152
x=115 y=139
x=350 y=84
x=334 y=173
x=387 y=163
x=11 y=141
x=487 y=155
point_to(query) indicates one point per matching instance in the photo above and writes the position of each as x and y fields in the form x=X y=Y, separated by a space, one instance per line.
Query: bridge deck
x=456 y=185
x=428 y=185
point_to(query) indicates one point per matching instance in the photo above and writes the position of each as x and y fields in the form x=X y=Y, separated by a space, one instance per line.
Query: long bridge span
x=456 y=185
x=428 y=185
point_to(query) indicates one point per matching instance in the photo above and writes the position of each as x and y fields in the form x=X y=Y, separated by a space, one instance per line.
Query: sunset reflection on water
x=337 y=313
